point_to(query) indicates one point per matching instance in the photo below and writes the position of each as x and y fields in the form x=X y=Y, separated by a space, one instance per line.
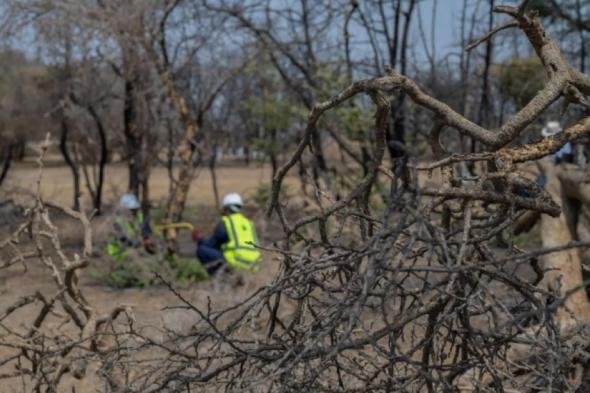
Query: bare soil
x=154 y=306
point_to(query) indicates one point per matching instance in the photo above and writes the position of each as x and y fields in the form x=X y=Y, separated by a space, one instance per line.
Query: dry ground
x=58 y=186
x=148 y=304
x=154 y=306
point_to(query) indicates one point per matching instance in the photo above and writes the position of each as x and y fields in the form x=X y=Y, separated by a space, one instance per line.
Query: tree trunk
x=563 y=270
x=396 y=131
x=132 y=138
x=6 y=162
x=247 y=155
x=562 y=277
x=212 y=162
x=145 y=191
x=483 y=115
x=63 y=147
x=185 y=176
x=318 y=153
x=576 y=186
x=19 y=149
x=104 y=157
x=274 y=162
x=185 y=150
x=575 y=183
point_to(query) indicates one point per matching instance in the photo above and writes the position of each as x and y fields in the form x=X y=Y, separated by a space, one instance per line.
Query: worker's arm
x=218 y=238
x=146 y=229
x=146 y=233
x=122 y=236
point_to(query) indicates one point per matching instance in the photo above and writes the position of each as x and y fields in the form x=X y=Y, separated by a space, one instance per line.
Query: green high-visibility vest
x=240 y=252
x=132 y=228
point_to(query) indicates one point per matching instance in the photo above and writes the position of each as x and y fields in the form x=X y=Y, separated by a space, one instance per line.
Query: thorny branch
x=398 y=290
x=39 y=352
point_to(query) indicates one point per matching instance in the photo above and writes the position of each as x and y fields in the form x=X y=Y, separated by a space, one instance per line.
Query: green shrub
x=139 y=271
x=187 y=270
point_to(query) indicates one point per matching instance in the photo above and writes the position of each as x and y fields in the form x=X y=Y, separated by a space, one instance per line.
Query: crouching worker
x=131 y=230
x=234 y=241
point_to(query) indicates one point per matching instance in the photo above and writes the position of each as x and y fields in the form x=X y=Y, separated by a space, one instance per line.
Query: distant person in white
x=565 y=154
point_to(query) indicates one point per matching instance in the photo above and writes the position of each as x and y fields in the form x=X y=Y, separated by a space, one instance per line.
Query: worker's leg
x=210 y=257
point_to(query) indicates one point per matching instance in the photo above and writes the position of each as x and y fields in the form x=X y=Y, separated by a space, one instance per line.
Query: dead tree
x=65 y=146
x=296 y=59
x=6 y=155
x=413 y=295
x=35 y=353
x=406 y=293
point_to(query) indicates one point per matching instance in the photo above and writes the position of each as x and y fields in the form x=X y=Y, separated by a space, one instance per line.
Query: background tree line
x=173 y=83
x=387 y=279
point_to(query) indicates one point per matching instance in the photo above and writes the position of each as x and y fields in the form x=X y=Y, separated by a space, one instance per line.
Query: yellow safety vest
x=132 y=228
x=240 y=252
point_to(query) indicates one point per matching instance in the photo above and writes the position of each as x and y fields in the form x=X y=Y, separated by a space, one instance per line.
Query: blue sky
x=447 y=21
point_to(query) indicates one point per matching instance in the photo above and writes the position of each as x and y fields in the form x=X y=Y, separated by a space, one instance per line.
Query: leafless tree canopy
x=386 y=283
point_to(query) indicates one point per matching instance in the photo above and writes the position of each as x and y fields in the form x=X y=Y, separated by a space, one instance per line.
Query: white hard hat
x=129 y=201
x=232 y=199
x=552 y=128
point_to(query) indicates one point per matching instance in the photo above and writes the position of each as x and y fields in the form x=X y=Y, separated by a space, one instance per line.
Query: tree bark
x=483 y=115
x=19 y=148
x=576 y=186
x=132 y=138
x=63 y=147
x=186 y=150
x=104 y=157
x=6 y=162
x=396 y=132
x=563 y=269
x=212 y=165
x=274 y=162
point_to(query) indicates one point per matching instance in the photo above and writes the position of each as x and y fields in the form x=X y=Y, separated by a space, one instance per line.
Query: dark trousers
x=211 y=258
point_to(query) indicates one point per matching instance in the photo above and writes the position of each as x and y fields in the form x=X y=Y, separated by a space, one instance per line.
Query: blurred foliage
x=422 y=147
x=273 y=115
x=21 y=99
x=542 y=7
x=187 y=270
x=271 y=112
x=261 y=196
x=356 y=121
x=520 y=78
x=333 y=79
x=138 y=270
x=135 y=270
x=569 y=16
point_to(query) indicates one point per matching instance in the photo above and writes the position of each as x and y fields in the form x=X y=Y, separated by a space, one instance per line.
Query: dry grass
x=58 y=185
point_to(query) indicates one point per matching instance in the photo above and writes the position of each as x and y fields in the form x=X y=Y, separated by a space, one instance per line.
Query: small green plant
x=131 y=270
x=140 y=271
x=187 y=270
x=122 y=278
